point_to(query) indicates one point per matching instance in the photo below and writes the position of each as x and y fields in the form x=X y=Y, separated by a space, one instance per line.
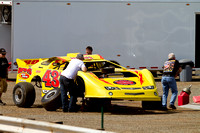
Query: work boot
x=172 y=106
x=164 y=108
x=65 y=110
x=2 y=103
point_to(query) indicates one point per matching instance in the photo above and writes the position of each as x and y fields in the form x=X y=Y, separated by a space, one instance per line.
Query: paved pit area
x=124 y=117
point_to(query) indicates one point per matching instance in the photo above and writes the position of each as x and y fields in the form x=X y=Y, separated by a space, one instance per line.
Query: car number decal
x=28 y=62
x=51 y=78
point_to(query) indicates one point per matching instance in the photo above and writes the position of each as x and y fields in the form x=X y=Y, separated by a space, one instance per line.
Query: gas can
x=183 y=98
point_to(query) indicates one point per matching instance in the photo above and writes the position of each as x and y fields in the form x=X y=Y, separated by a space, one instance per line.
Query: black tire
x=24 y=94
x=52 y=100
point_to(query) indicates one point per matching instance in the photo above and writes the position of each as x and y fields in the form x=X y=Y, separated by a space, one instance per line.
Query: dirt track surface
x=125 y=116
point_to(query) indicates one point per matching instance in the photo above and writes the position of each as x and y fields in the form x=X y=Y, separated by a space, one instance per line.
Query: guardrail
x=19 y=125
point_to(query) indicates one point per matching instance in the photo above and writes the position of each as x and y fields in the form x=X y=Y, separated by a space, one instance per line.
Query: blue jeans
x=65 y=86
x=169 y=82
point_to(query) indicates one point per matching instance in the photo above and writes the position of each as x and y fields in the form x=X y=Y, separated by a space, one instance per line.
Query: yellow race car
x=103 y=80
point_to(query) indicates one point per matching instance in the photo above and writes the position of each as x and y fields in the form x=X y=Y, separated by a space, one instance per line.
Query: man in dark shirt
x=171 y=70
x=3 y=73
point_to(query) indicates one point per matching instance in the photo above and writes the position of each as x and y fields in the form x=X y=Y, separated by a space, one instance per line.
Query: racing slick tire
x=24 y=94
x=52 y=100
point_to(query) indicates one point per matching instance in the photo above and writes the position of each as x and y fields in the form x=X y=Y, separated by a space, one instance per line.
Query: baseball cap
x=2 y=51
x=80 y=56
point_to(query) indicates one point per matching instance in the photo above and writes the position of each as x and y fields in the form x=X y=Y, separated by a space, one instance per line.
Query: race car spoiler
x=27 y=62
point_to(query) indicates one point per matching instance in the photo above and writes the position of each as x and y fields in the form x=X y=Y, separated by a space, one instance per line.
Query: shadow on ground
x=127 y=110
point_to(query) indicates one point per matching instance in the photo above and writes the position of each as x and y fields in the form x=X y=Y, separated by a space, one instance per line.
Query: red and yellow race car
x=103 y=80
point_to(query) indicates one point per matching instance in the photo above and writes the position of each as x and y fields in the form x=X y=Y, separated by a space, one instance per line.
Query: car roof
x=93 y=57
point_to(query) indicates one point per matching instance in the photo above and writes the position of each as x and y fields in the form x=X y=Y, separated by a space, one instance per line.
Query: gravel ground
x=125 y=116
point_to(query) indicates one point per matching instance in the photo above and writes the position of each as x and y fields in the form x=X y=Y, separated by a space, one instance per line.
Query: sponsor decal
x=124 y=82
x=24 y=75
x=26 y=70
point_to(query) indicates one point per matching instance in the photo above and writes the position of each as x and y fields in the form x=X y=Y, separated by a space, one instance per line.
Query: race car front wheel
x=24 y=94
x=52 y=100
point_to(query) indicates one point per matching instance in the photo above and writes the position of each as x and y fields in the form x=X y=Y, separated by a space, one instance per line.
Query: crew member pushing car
x=67 y=83
x=3 y=73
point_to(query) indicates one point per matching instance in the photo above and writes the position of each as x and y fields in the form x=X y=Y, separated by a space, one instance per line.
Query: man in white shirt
x=67 y=83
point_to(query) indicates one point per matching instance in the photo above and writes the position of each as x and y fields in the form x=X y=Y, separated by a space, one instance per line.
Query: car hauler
x=136 y=33
x=5 y=27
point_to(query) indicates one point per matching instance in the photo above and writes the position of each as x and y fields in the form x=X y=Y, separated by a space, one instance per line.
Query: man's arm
x=178 y=72
x=83 y=68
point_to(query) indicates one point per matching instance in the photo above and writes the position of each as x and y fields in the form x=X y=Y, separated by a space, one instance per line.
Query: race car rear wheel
x=52 y=100
x=24 y=94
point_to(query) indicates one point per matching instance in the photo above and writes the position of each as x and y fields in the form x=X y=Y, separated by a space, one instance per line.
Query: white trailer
x=136 y=33
x=5 y=27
